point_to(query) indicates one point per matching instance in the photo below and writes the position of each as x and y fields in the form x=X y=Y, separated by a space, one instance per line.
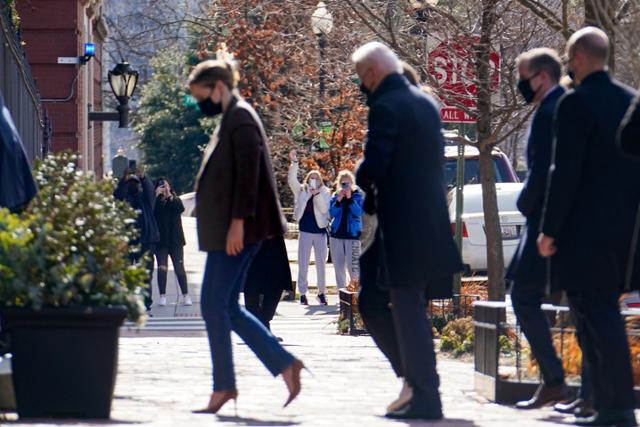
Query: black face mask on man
x=365 y=90
x=524 y=86
x=210 y=108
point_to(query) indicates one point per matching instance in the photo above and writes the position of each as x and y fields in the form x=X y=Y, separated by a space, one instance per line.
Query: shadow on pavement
x=321 y=309
x=558 y=419
x=66 y=422
x=243 y=421
x=450 y=422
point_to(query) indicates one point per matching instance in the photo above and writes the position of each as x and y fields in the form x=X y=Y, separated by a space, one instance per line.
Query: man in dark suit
x=539 y=71
x=629 y=135
x=413 y=253
x=17 y=186
x=588 y=222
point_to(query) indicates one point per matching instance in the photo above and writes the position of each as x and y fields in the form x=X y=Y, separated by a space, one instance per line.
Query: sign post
x=453 y=67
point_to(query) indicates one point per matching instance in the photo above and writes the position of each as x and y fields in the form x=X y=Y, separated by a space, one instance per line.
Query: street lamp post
x=123 y=81
x=321 y=24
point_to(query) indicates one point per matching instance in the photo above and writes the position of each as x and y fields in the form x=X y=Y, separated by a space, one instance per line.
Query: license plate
x=510 y=232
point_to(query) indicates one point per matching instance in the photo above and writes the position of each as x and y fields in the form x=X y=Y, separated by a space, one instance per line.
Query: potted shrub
x=66 y=286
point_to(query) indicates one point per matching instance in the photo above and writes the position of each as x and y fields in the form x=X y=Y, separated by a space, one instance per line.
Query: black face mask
x=365 y=91
x=524 y=86
x=210 y=108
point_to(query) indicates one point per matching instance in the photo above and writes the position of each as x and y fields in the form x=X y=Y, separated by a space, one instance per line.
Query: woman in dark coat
x=268 y=276
x=168 y=209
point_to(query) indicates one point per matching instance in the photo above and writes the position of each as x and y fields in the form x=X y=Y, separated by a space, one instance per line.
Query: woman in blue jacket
x=346 y=224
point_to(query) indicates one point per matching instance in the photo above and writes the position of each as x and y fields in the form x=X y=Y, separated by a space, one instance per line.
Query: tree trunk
x=495 y=260
x=602 y=14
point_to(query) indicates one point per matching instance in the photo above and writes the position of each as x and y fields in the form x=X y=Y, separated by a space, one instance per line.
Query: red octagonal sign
x=453 y=67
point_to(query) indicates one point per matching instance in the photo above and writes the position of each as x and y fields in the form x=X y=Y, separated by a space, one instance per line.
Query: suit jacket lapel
x=214 y=142
x=208 y=152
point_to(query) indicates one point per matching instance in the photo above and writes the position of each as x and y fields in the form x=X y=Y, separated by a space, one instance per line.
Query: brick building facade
x=59 y=28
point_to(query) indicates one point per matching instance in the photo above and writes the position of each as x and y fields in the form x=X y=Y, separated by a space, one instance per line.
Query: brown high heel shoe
x=291 y=377
x=218 y=400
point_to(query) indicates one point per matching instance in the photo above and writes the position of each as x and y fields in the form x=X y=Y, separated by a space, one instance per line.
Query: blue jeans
x=224 y=279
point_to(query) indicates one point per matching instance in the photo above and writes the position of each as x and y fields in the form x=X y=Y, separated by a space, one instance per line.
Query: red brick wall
x=50 y=29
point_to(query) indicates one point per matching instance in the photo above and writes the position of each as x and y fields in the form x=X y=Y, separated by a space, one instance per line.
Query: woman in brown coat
x=237 y=209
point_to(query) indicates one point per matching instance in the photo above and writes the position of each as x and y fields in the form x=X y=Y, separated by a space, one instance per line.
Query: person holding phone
x=311 y=210
x=137 y=189
x=346 y=225
x=167 y=212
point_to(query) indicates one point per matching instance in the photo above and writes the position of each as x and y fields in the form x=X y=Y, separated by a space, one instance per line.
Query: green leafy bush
x=457 y=337
x=71 y=245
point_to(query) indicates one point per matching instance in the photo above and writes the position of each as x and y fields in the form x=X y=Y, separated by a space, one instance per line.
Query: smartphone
x=133 y=164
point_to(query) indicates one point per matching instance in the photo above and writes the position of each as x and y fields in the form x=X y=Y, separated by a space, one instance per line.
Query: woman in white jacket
x=311 y=211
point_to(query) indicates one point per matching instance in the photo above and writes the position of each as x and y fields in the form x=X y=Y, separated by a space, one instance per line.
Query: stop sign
x=453 y=66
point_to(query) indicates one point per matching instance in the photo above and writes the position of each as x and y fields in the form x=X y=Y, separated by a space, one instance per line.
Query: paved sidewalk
x=163 y=376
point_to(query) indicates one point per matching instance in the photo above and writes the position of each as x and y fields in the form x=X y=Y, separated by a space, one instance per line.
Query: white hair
x=379 y=54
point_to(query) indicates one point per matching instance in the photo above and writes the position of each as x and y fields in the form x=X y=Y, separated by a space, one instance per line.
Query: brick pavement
x=163 y=376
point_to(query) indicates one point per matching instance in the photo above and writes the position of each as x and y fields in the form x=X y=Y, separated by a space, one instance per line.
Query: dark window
x=472 y=171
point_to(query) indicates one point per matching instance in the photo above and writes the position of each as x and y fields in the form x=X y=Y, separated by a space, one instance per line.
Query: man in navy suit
x=588 y=222
x=413 y=255
x=539 y=71
x=17 y=186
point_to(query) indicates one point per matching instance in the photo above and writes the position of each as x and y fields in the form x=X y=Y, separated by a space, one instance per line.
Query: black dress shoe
x=422 y=406
x=579 y=407
x=609 y=418
x=544 y=396
x=412 y=412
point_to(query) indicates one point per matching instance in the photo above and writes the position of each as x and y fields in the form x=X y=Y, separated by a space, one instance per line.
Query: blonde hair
x=207 y=73
x=308 y=177
x=342 y=174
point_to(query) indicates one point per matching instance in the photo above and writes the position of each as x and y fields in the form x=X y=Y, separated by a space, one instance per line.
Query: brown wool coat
x=236 y=181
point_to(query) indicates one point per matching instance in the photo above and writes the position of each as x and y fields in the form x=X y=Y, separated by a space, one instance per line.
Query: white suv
x=474 y=240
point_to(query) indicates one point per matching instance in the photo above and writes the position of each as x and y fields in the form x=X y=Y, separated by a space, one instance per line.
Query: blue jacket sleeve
x=356 y=206
x=334 y=207
x=574 y=125
x=532 y=196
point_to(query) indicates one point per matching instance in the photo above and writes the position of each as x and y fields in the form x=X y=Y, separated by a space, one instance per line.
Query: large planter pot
x=64 y=360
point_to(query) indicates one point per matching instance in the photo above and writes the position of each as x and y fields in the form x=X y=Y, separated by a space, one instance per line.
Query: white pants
x=319 y=244
x=345 y=253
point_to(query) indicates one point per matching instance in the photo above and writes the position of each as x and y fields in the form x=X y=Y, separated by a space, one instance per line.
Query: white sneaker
x=163 y=301
x=187 y=300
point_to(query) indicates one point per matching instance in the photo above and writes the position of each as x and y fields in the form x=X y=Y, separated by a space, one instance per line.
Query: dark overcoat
x=593 y=192
x=404 y=161
x=527 y=267
x=629 y=143
x=270 y=270
x=236 y=181
x=17 y=186
x=168 y=216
